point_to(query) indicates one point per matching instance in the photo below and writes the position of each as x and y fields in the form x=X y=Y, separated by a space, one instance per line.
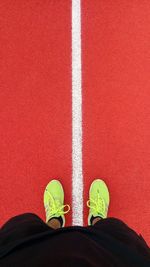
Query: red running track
x=35 y=104
x=116 y=105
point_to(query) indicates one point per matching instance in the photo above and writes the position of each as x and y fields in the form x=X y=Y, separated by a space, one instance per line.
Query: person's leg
x=21 y=227
x=24 y=219
x=122 y=232
x=27 y=224
x=95 y=220
x=54 y=223
x=99 y=223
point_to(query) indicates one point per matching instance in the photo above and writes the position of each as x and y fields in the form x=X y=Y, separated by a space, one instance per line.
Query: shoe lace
x=97 y=205
x=54 y=207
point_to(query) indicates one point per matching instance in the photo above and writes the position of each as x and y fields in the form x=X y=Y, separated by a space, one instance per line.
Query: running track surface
x=36 y=107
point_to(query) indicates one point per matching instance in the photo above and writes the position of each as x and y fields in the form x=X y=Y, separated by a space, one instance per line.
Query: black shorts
x=25 y=240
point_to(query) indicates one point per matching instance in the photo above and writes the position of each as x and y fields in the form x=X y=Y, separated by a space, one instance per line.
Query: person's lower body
x=21 y=227
x=29 y=224
x=24 y=226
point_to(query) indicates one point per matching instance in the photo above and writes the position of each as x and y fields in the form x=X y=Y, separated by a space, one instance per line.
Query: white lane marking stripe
x=77 y=175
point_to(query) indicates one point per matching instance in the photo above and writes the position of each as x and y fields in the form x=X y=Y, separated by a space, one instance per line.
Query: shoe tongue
x=97 y=214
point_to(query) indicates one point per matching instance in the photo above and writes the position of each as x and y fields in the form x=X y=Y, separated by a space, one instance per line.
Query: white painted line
x=77 y=175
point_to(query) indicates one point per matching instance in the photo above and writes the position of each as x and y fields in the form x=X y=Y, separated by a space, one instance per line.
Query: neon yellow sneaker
x=98 y=200
x=54 y=201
